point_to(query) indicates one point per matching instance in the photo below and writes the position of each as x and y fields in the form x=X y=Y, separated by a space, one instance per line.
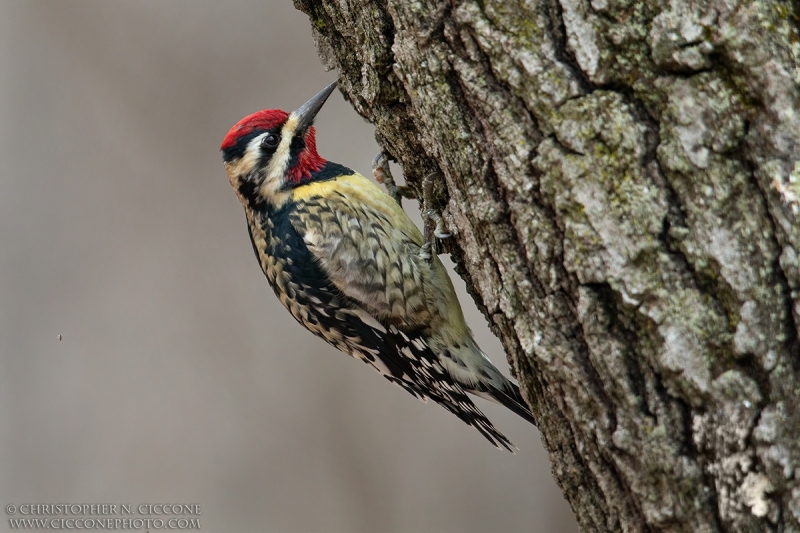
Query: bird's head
x=268 y=153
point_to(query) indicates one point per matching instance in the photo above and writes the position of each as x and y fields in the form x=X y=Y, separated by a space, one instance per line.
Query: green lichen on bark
x=620 y=183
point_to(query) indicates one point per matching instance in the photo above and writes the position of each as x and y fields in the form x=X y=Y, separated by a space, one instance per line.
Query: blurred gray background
x=180 y=378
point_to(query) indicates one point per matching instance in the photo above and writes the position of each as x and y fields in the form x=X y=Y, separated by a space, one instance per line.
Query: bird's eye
x=270 y=141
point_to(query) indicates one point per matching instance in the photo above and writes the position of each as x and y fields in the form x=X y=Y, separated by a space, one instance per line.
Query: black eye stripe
x=237 y=150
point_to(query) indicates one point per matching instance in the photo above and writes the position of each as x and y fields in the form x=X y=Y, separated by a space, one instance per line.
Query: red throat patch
x=264 y=120
x=308 y=160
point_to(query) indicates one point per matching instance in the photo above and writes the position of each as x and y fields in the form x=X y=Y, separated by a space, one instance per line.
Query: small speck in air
x=60 y=337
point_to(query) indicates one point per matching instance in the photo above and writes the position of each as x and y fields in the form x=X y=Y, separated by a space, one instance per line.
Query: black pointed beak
x=306 y=113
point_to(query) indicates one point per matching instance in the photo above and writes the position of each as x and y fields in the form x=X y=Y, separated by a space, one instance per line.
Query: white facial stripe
x=253 y=146
x=273 y=184
x=247 y=163
x=280 y=160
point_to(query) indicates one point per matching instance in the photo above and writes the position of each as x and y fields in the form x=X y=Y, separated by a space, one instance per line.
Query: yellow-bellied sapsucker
x=347 y=262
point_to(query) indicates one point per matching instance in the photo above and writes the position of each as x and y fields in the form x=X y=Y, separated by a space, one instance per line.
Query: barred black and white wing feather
x=403 y=313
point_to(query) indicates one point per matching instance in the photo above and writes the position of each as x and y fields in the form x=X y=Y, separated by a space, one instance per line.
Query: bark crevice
x=558 y=31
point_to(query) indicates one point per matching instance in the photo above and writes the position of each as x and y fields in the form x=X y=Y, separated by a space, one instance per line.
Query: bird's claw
x=435 y=227
x=382 y=174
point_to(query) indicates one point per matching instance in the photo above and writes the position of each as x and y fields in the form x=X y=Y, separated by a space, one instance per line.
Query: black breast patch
x=325 y=310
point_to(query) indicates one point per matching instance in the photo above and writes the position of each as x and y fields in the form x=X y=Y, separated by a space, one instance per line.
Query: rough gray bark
x=620 y=181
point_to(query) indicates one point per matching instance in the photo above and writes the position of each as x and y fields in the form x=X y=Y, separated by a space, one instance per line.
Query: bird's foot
x=435 y=227
x=382 y=174
x=432 y=216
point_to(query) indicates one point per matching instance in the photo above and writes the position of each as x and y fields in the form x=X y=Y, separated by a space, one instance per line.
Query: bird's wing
x=369 y=248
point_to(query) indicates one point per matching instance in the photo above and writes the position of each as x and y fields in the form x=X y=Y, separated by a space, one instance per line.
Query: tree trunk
x=622 y=186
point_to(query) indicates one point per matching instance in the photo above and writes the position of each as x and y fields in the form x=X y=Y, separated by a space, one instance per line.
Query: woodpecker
x=351 y=267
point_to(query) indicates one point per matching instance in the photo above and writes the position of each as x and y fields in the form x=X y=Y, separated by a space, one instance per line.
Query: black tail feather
x=509 y=397
x=514 y=401
x=464 y=409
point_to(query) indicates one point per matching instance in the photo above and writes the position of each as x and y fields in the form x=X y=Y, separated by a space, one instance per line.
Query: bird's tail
x=452 y=397
x=507 y=395
x=475 y=372
x=512 y=398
